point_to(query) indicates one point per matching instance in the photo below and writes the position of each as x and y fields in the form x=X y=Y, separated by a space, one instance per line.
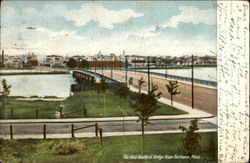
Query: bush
x=68 y=147
x=50 y=97
x=34 y=96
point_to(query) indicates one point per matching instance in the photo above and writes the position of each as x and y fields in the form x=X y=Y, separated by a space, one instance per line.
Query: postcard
x=124 y=81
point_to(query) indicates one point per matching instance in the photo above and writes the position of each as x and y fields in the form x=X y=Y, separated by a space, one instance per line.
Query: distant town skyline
x=85 y=28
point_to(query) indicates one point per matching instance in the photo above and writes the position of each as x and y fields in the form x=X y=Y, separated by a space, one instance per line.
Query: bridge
x=205 y=96
x=89 y=75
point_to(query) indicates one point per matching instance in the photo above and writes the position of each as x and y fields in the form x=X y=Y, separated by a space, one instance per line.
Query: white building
x=54 y=61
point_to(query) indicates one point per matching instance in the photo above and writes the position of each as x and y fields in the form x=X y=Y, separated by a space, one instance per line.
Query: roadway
x=110 y=128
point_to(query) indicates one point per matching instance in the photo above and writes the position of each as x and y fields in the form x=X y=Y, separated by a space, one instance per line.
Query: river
x=59 y=84
x=203 y=73
x=39 y=85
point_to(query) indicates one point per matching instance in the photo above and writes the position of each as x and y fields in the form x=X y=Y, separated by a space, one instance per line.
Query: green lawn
x=93 y=102
x=27 y=109
x=95 y=105
x=112 y=151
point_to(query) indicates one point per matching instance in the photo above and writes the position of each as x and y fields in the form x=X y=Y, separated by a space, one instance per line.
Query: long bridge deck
x=205 y=97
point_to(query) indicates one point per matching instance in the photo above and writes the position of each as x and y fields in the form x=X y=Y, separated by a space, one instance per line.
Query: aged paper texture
x=233 y=81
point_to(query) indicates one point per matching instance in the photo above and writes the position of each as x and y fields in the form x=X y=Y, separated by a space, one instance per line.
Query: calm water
x=204 y=73
x=40 y=85
x=59 y=85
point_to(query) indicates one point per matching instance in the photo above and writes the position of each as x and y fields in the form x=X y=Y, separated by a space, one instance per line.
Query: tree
x=190 y=141
x=123 y=92
x=103 y=87
x=5 y=93
x=141 y=83
x=130 y=81
x=172 y=88
x=82 y=64
x=145 y=105
x=72 y=63
x=6 y=88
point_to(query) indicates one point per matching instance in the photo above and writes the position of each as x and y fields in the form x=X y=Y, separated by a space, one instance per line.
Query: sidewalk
x=192 y=112
x=92 y=134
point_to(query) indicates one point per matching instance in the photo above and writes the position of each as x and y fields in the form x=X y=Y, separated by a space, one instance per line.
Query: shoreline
x=35 y=73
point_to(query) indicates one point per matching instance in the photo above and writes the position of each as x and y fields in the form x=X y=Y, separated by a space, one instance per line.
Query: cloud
x=96 y=12
x=88 y=12
x=193 y=15
x=67 y=39
x=187 y=14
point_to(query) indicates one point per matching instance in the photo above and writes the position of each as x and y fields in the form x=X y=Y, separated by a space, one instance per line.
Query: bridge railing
x=187 y=79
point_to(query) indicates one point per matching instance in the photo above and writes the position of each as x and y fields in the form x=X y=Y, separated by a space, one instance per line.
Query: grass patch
x=112 y=151
x=27 y=109
x=95 y=105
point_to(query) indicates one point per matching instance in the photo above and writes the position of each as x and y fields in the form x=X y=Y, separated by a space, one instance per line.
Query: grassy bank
x=95 y=104
x=112 y=151
x=27 y=109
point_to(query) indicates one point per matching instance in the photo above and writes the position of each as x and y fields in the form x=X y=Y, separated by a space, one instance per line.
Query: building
x=54 y=61
x=106 y=64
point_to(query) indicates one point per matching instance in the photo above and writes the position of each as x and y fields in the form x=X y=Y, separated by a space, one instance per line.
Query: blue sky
x=84 y=28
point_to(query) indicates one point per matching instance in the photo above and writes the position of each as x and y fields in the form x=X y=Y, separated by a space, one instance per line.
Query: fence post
x=84 y=111
x=11 y=113
x=44 y=131
x=11 y=132
x=96 y=129
x=72 y=131
x=36 y=113
x=61 y=112
x=100 y=132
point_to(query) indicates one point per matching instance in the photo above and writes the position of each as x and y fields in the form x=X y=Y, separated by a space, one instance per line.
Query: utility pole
x=126 y=65
x=192 y=78
x=166 y=68
x=95 y=66
x=135 y=63
x=148 y=76
x=102 y=65
x=111 y=66
x=2 y=58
